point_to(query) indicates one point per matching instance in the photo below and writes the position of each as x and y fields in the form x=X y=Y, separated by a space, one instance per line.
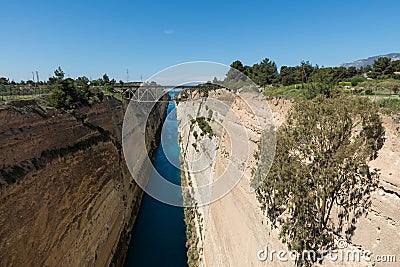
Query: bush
x=357 y=79
x=369 y=92
x=195 y=134
x=204 y=126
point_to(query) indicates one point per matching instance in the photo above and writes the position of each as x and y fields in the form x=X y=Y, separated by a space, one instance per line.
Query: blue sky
x=96 y=37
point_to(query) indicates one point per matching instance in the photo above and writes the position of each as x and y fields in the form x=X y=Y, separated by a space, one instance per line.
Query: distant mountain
x=370 y=60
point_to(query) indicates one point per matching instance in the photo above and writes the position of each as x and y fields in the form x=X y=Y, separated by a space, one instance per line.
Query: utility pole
x=127 y=75
x=37 y=81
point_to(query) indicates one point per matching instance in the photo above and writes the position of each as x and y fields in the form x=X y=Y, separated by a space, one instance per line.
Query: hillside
x=370 y=61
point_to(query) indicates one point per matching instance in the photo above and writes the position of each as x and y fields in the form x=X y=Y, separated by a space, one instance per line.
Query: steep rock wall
x=234 y=230
x=67 y=197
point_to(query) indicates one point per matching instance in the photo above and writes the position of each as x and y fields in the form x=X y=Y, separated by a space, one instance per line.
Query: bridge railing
x=156 y=93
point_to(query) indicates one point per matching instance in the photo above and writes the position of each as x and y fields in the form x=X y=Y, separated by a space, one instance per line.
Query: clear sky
x=95 y=37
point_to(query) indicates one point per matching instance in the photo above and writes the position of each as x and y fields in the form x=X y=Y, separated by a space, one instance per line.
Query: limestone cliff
x=232 y=230
x=67 y=197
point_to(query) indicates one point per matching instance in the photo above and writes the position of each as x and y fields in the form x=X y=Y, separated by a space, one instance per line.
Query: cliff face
x=232 y=230
x=67 y=197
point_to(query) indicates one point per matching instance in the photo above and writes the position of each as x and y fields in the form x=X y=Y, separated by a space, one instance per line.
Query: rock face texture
x=232 y=230
x=66 y=195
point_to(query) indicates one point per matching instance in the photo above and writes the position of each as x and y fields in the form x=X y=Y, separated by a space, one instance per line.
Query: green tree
x=381 y=64
x=340 y=73
x=97 y=82
x=351 y=71
x=380 y=67
x=290 y=75
x=320 y=180
x=236 y=71
x=395 y=65
x=325 y=76
x=106 y=79
x=59 y=73
x=82 y=81
x=355 y=80
x=4 y=80
x=307 y=69
x=265 y=72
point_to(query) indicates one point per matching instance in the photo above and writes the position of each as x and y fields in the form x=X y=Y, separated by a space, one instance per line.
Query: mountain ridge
x=370 y=60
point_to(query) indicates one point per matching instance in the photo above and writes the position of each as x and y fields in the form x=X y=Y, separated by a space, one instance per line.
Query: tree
x=307 y=69
x=59 y=73
x=320 y=180
x=4 y=81
x=355 y=80
x=327 y=75
x=96 y=82
x=340 y=73
x=233 y=74
x=380 y=67
x=82 y=81
x=381 y=64
x=64 y=95
x=290 y=75
x=351 y=71
x=69 y=93
x=297 y=74
x=106 y=79
x=237 y=65
x=265 y=72
x=395 y=65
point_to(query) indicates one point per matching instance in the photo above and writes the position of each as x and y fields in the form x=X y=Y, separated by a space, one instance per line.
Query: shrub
x=195 y=134
x=369 y=92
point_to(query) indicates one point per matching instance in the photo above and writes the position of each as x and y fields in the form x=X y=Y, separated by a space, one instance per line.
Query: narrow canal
x=158 y=237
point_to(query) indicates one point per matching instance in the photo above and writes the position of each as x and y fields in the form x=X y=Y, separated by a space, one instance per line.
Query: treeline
x=266 y=73
x=61 y=92
x=59 y=75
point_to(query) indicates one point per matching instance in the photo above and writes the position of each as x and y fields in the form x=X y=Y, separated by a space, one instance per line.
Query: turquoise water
x=158 y=237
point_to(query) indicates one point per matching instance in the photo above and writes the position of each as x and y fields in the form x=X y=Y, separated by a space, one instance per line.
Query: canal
x=158 y=237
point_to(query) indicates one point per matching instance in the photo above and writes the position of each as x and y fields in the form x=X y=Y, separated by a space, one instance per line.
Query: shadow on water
x=158 y=237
